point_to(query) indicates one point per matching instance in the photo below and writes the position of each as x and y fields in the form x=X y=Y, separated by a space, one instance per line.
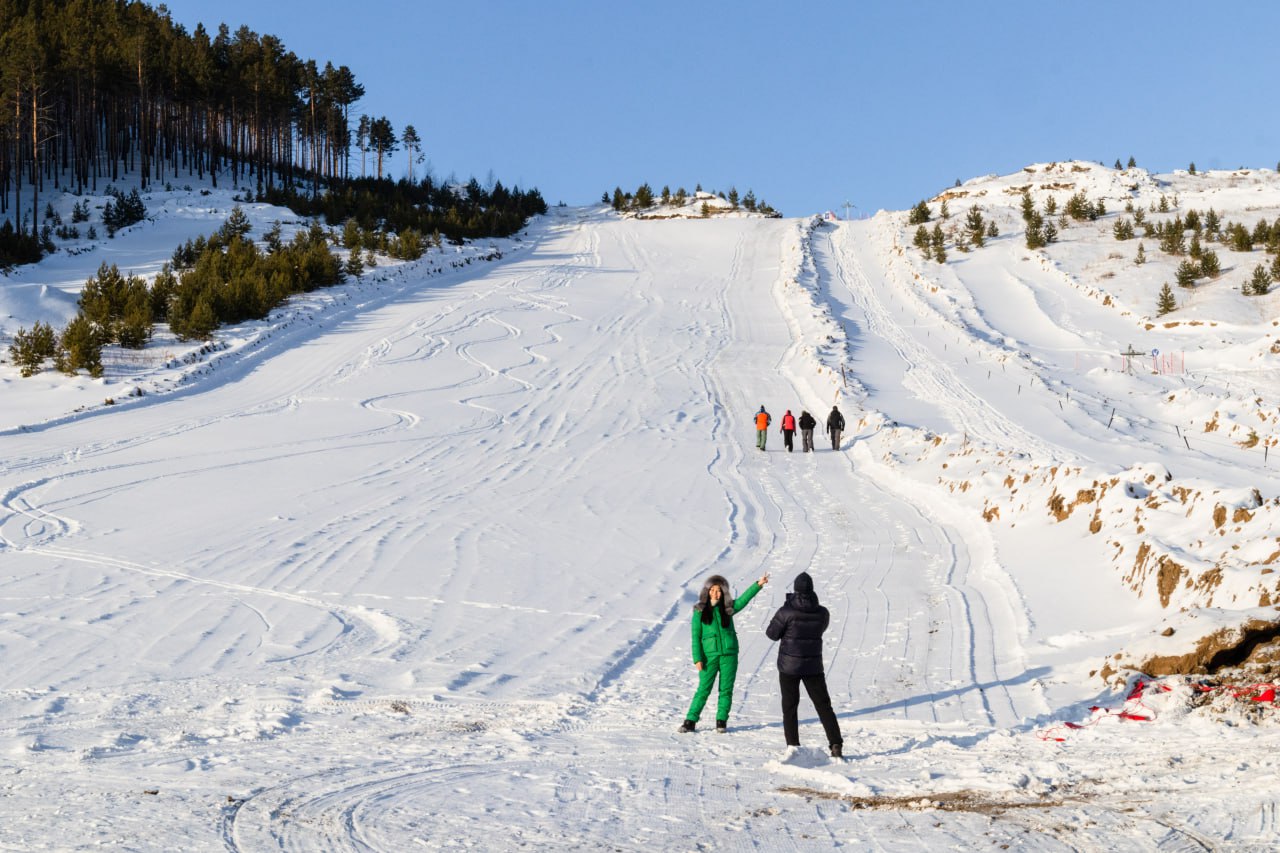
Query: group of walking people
x=806 y=423
x=797 y=626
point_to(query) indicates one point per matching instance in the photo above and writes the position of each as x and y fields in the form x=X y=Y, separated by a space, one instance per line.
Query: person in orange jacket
x=788 y=429
x=762 y=427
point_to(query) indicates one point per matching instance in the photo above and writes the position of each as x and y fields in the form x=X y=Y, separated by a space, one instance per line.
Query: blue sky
x=809 y=104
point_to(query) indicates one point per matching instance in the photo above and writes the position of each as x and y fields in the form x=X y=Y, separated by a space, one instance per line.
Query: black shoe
x=837 y=750
x=687 y=726
x=722 y=726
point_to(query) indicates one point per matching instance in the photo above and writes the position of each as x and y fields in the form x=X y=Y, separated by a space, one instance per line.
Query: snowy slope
x=410 y=564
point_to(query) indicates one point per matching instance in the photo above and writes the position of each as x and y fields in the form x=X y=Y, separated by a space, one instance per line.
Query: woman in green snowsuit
x=715 y=647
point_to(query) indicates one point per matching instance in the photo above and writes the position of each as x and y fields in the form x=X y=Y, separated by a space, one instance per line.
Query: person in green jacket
x=715 y=647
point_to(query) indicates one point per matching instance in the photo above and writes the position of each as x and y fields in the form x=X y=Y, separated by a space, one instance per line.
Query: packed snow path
x=424 y=579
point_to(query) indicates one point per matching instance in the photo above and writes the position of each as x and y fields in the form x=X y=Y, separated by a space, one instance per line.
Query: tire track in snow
x=931 y=379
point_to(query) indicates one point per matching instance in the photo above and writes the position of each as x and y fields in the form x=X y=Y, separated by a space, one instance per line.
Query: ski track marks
x=426 y=620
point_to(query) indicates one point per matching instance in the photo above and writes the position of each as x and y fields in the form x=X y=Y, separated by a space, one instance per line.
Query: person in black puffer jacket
x=799 y=625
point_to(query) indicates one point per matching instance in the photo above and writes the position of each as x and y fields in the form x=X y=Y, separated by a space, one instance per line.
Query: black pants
x=788 y=435
x=816 y=687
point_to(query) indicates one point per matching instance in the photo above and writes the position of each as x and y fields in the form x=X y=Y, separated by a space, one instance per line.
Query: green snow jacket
x=714 y=638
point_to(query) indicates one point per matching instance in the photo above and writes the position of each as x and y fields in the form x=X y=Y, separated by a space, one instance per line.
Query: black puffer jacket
x=799 y=625
x=835 y=420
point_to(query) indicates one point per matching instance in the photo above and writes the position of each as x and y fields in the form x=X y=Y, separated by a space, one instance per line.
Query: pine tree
x=273 y=238
x=236 y=225
x=1132 y=163
x=921 y=239
x=1192 y=168
x=1035 y=231
x=1028 y=209
x=644 y=197
x=382 y=139
x=412 y=147
x=937 y=242
x=919 y=214
x=1172 y=241
x=362 y=141
x=1166 y=302
x=992 y=230
x=944 y=211
x=1117 y=166
x=1141 y=257
x=354 y=266
x=201 y=323
x=974 y=224
x=1211 y=222
x=1186 y=274
x=1049 y=232
x=79 y=347
x=162 y=290
x=133 y=329
x=30 y=349
x=1122 y=229
x=1209 y=264
x=1241 y=239
x=1262 y=232
x=1260 y=283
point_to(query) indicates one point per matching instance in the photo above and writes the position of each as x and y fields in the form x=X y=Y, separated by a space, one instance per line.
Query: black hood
x=804 y=598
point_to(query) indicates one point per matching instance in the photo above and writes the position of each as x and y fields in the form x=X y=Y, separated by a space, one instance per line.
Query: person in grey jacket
x=798 y=627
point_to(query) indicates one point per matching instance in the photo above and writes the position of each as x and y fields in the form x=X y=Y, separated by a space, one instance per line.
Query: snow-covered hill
x=410 y=562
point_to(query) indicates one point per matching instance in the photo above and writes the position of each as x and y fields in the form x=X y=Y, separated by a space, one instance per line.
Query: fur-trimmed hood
x=704 y=597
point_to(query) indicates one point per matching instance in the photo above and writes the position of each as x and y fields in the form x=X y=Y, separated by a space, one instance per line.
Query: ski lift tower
x=847 y=205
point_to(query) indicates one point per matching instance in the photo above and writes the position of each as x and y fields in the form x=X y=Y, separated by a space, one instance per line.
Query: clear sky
x=810 y=104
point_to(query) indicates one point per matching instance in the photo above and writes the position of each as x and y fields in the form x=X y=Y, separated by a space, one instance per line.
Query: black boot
x=837 y=750
x=687 y=726
x=722 y=726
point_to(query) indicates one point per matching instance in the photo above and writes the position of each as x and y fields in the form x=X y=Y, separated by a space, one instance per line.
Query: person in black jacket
x=835 y=426
x=799 y=624
x=807 y=423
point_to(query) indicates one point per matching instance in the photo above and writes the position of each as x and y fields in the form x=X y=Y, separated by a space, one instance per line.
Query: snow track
x=424 y=580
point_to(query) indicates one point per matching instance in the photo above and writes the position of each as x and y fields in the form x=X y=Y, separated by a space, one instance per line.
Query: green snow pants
x=726 y=666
